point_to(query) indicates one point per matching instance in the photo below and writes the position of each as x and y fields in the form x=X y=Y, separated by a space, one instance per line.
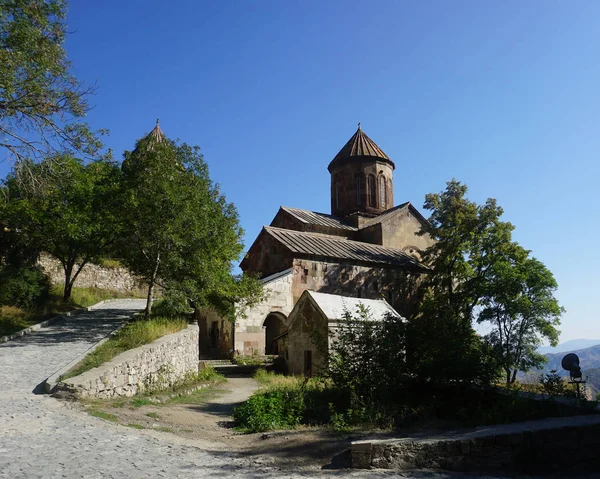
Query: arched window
x=358 y=190
x=372 y=191
x=337 y=196
x=381 y=192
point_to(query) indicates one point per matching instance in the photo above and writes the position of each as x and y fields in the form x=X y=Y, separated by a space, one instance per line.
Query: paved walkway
x=43 y=437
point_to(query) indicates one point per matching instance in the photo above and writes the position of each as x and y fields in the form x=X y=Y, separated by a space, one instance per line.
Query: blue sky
x=503 y=96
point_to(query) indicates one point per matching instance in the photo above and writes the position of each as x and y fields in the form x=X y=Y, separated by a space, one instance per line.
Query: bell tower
x=361 y=178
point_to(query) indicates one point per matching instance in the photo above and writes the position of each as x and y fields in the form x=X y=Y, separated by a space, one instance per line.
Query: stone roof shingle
x=340 y=248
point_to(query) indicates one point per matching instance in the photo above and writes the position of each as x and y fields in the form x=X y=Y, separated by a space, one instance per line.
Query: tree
x=479 y=274
x=71 y=216
x=468 y=237
x=41 y=102
x=180 y=232
x=522 y=309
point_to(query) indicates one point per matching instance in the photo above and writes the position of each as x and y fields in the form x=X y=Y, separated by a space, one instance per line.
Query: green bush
x=24 y=287
x=278 y=409
x=173 y=305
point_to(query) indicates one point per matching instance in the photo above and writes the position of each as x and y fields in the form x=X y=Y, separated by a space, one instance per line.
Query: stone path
x=41 y=437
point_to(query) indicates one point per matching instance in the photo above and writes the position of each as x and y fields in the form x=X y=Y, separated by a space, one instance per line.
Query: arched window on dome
x=382 y=192
x=337 y=195
x=372 y=191
x=358 y=190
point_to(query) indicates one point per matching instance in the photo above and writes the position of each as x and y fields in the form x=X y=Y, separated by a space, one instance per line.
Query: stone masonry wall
x=93 y=276
x=158 y=365
x=550 y=445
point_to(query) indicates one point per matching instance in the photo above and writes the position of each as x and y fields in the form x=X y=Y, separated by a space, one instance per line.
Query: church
x=366 y=248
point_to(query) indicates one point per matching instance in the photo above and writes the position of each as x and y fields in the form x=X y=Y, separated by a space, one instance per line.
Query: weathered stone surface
x=158 y=365
x=93 y=276
x=532 y=447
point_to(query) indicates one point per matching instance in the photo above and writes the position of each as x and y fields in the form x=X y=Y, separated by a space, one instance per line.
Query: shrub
x=12 y=319
x=278 y=409
x=173 y=305
x=24 y=287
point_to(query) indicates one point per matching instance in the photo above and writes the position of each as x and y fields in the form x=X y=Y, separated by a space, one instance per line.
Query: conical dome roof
x=358 y=147
x=156 y=134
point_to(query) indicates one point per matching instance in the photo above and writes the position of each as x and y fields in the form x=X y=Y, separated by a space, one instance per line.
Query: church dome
x=359 y=147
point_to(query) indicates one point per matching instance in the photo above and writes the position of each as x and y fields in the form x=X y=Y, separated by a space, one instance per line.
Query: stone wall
x=93 y=276
x=548 y=445
x=158 y=365
x=249 y=332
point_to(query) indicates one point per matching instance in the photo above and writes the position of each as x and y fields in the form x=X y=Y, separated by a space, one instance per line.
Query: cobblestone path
x=43 y=437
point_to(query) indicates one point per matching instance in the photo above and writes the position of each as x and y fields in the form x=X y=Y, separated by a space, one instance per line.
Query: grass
x=134 y=334
x=153 y=415
x=104 y=415
x=110 y=263
x=270 y=380
x=135 y=426
x=13 y=319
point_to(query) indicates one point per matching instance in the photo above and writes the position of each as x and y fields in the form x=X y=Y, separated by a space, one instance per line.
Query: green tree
x=180 y=230
x=479 y=274
x=468 y=240
x=41 y=102
x=71 y=215
x=520 y=304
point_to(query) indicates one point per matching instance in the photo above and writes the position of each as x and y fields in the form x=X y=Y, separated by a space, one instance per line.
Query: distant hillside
x=589 y=358
x=572 y=345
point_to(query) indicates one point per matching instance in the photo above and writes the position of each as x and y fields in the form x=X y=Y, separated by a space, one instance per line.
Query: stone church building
x=366 y=248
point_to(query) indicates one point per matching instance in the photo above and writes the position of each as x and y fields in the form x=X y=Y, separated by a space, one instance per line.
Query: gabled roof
x=360 y=146
x=390 y=213
x=333 y=306
x=321 y=219
x=340 y=248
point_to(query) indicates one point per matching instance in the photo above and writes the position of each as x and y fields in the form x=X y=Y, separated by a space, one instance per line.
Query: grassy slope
x=133 y=335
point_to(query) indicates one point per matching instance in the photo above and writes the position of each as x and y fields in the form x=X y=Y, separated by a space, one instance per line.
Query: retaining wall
x=554 y=444
x=158 y=365
x=93 y=276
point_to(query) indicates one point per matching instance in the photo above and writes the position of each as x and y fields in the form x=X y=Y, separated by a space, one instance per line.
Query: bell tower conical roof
x=359 y=147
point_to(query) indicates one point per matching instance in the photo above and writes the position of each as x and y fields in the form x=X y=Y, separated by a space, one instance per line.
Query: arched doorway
x=274 y=325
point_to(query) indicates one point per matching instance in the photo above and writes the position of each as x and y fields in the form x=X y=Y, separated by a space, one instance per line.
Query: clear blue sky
x=503 y=96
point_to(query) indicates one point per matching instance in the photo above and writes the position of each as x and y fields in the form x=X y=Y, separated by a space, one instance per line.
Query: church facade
x=366 y=248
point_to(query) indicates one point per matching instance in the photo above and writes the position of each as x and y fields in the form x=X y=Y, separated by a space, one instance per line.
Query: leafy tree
x=522 y=309
x=367 y=357
x=41 y=102
x=478 y=271
x=71 y=216
x=180 y=231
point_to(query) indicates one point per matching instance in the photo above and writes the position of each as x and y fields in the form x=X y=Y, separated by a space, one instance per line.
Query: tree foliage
x=41 y=102
x=72 y=215
x=479 y=274
x=179 y=229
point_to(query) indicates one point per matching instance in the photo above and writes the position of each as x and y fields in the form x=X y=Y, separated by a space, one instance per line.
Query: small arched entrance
x=274 y=325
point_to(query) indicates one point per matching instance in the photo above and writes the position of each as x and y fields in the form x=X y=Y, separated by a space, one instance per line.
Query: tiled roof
x=360 y=145
x=391 y=212
x=336 y=247
x=322 y=219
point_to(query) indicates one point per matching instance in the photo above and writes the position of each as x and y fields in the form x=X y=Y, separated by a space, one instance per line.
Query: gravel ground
x=43 y=437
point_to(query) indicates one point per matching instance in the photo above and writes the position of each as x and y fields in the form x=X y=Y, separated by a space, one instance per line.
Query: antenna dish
x=571 y=363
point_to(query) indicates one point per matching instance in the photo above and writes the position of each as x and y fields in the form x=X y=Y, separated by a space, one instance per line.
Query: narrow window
x=308 y=363
x=372 y=191
x=381 y=192
x=358 y=191
x=337 y=196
